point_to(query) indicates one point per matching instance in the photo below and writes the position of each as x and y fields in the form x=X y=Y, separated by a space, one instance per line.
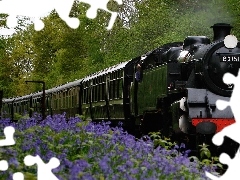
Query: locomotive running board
x=219 y=122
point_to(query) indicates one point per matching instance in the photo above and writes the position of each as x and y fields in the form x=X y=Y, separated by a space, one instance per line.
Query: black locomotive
x=172 y=89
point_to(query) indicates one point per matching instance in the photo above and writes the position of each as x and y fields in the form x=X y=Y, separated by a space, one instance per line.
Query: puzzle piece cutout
x=8 y=132
x=39 y=8
x=44 y=171
x=8 y=141
x=231 y=131
x=233 y=170
x=3 y=165
x=18 y=176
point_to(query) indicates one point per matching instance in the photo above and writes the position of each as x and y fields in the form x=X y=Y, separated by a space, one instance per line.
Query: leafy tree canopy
x=59 y=54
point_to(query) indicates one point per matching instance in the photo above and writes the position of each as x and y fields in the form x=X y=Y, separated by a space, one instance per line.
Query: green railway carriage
x=102 y=94
x=14 y=106
x=66 y=98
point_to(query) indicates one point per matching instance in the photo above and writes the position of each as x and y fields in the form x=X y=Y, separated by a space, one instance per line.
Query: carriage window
x=76 y=99
x=93 y=88
x=115 y=89
x=120 y=81
x=111 y=90
x=84 y=96
x=69 y=98
x=73 y=101
x=64 y=102
x=98 y=92
x=115 y=75
x=67 y=101
x=66 y=105
x=87 y=95
x=92 y=91
x=57 y=103
x=103 y=90
x=60 y=102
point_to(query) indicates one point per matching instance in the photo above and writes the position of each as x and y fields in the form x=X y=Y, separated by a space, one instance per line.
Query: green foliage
x=20 y=118
x=162 y=141
x=82 y=117
x=204 y=158
x=207 y=159
x=204 y=152
x=17 y=116
x=59 y=54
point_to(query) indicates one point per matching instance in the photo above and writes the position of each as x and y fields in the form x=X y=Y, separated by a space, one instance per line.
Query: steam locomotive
x=172 y=89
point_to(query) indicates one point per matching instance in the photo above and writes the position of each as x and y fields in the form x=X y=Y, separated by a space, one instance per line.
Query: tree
x=16 y=63
x=58 y=54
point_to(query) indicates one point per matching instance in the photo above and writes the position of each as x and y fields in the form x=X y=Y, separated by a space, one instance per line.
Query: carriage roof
x=106 y=71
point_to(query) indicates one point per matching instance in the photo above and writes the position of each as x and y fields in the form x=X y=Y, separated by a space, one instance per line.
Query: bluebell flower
x=103 y=163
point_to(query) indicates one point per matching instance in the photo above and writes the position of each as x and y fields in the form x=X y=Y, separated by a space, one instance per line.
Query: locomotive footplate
x=202 y=104
x=219 y=122
x=204 y=114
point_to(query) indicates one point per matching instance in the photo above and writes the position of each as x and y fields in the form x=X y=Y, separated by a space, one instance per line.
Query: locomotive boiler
x=172 y=89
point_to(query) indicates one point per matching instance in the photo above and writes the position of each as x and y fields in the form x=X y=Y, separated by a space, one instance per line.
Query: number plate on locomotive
x=230 y=58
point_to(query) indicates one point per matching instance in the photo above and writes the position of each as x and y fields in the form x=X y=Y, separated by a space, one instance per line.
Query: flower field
x=92 y=151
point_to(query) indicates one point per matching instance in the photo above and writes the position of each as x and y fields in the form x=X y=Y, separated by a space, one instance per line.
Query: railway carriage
x=103 y=94
x=66 y=98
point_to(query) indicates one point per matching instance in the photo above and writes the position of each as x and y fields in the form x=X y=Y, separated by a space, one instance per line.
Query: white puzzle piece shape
x=38 y=8
x=44 y=171
x=232 y=131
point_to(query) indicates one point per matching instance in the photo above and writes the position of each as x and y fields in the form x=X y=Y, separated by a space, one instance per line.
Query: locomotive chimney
x=221 y=30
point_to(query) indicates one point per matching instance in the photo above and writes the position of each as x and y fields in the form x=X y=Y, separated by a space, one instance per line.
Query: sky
x=6 y=31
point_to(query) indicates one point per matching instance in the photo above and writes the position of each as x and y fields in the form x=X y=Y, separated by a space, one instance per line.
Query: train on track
x=172 y=89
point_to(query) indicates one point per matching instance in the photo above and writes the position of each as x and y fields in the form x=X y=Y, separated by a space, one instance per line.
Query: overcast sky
x=6 y=31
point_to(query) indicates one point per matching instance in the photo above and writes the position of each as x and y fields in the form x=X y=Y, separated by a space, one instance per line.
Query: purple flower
x=103 y=163
x=93 y=150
